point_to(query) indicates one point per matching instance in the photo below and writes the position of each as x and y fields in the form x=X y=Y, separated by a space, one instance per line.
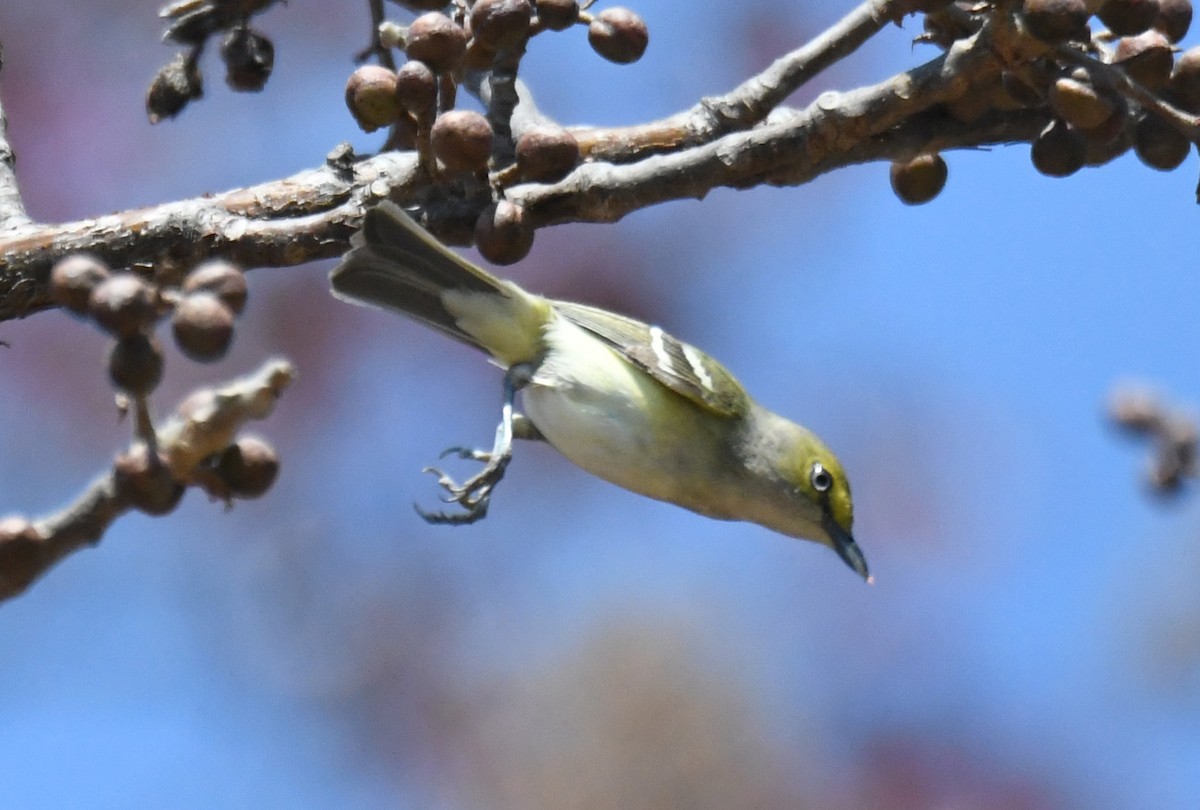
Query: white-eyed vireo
x=623 y=400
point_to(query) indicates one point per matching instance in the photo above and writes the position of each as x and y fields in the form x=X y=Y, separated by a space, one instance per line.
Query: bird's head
x=812 y=494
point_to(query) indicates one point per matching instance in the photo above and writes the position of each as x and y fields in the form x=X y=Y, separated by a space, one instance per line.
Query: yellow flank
x=508 y=326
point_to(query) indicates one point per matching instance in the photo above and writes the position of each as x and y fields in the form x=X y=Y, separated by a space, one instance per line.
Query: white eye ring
x=820 y=477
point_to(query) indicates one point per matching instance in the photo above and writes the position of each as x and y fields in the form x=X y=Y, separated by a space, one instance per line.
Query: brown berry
x=462 y=140
x=416 y=89
x=618 y=35
x=1107 y=130
x=919 y=180
x=503 y=235
x=145 y=482
x=437 y=41
x=1147 y=58
x=1077 y=102
x=1059 y=150
x=203 y=326
x=1174 y=18
x=249 y=467
x=501 y=24
x=23 y=555
x=123 y=304
x=175 y=84
x=135 y=364
x=1128 y=17
x=73 y=278
x=1184 y=86
x=546 y=153
x=249 y=57
x=1055 y=21
x=371 y=97
x=557 y=15
x=221 y=278
x=1158 y=144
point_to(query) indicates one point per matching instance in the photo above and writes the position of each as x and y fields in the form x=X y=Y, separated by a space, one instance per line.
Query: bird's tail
x=396 y=264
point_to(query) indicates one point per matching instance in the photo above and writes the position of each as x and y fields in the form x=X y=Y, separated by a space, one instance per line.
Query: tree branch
x=750 y=102
x=12 y=208
x=204 y=424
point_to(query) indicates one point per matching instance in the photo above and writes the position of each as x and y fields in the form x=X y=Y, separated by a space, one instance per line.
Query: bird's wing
x=683 y=368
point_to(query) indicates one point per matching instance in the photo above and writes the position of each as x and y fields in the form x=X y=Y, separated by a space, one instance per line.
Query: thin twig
x=747 y=104
x=822 y=136
x=187 y=439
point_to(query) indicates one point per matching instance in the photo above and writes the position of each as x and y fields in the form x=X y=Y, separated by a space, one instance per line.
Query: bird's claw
x=469 y=453
x=473 y=494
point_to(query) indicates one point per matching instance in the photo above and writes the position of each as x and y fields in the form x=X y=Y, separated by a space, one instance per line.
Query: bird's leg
x=475 y=493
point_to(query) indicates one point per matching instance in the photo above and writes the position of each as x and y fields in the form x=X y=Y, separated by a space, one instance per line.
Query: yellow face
x=822 y=484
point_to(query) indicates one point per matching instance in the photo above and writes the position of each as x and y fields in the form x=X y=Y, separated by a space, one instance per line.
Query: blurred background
x=1033 y=640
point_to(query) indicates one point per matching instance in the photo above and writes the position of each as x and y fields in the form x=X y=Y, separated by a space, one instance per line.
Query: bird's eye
x=820 y=477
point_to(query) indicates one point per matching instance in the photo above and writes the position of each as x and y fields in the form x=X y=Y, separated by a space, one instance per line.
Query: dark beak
x=847 y=549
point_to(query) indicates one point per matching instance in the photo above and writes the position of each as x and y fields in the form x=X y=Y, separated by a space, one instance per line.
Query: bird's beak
x=843 y=543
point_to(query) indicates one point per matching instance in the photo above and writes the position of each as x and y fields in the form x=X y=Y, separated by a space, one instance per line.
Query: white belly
x=618 y=423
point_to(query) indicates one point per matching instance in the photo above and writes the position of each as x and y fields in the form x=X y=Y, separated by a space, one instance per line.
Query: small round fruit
x=501 y=24
x=371 y=97
x=557 y=15
x=145 y=482
x=1158 y=144
x=1077 y=102
x=73 y=278
x=135 y=364
x=203 y=326
x=1059 y=151
x=919 y=180
x=249 y=467
x=175 y=84
x=1128 y=17
x=503 y=234
x=1148 y=58
x=249 y=57
x=416 y=89
x=23 y=554
x=123 y=304
x=1184 y=86
x=1174 y=18
x=221 y=278
x=436 y=40
x=618 y=35
x=547 y=153
x=462 y=140
x=1055 y=21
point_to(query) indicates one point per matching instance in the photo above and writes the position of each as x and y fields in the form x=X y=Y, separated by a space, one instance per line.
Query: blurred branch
x=203 y=425
x=1172 y=434
x=12 y=209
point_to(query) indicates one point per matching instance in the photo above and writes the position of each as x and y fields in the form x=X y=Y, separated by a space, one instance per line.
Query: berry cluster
x=249 y=55
x=127 y=306
x=1102 y=92
x=418 y=100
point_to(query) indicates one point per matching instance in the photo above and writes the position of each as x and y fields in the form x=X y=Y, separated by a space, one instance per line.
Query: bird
x=621 y=399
